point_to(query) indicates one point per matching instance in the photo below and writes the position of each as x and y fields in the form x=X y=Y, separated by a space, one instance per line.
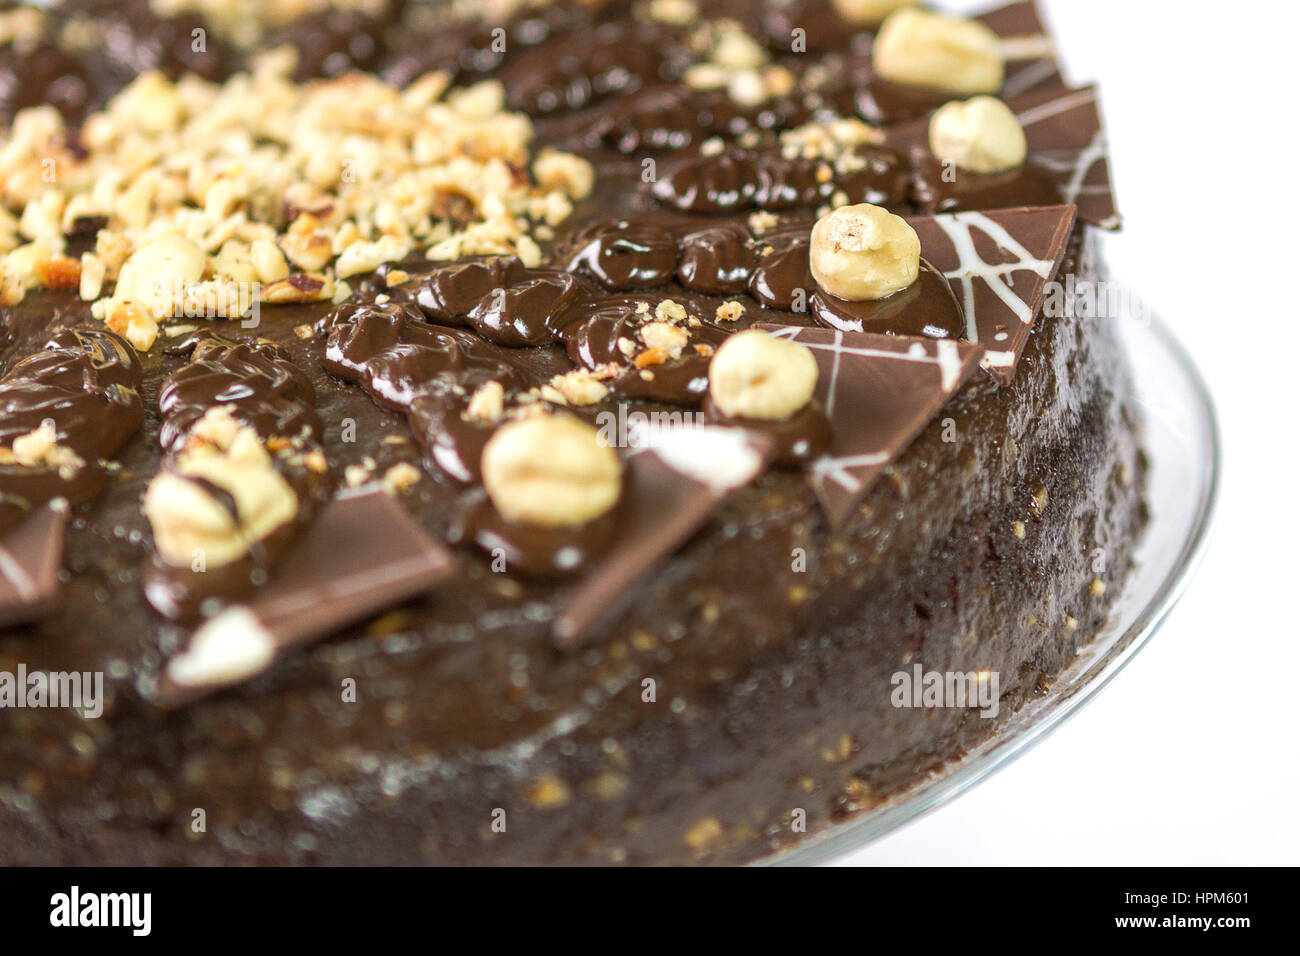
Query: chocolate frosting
x=255 y=378
x=738 y=178
x=925 y=308
x=86 y=381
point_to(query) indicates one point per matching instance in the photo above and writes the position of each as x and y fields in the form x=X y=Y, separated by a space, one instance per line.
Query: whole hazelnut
x=550 y=470
x=754 y=375
x=946 y=53
x=868 y=11
x=980 y=134
x=864 y=252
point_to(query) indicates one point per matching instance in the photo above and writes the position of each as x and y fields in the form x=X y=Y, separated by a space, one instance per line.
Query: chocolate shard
x=1027 y=47
x=1067 y=149
x=998 y=264
x=1066 y=140
x=30 y=557
x=363 y=554
x=879 y=392
x=676 y=478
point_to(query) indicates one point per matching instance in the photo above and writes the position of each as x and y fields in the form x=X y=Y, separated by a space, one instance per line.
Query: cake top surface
x=558 y=285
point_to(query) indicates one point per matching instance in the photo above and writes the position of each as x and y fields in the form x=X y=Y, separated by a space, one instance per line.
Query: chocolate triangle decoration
x=1066 y=144
x=30 y=557
x=879 y=392
x=1027 y=49
x=998 y=264
x=362 y=555
x=675 y=479
x=1064 y=133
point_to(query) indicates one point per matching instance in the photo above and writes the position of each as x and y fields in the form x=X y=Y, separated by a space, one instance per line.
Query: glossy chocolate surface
x=769 y=636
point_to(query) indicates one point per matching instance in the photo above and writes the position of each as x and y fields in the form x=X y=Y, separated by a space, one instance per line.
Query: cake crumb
x=548 y=791
x=842 y=750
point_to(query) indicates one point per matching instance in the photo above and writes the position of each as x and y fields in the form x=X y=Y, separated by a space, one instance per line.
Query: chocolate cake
x=536 y=433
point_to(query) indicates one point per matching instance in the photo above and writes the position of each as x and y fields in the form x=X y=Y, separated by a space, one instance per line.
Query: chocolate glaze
x=391 y=350
x=86 y=382
x=739 y=178
x=263 y=388
x=926 y=308
x=716 y=260
x=532 y=550
x=593 y=343
x=623 y=254
x=587 y=66
x=452 y=443
x=783 y=278
x=256 y=379
x=796 y=440
x=1026 y=185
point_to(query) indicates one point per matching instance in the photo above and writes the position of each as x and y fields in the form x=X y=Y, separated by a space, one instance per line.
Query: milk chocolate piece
x=363 y=554
x=879 y=391
x=1067 y=155
x=674 y=481
x=998 y=264
x=30 y=557
x=1027 y=48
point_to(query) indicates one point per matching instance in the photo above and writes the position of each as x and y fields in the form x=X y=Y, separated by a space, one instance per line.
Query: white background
x=1191 y=754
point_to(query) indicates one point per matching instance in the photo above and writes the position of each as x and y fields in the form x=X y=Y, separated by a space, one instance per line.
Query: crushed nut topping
x=214 y=196
x=40 y=448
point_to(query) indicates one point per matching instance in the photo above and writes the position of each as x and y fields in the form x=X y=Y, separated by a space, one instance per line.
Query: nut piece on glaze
x=550 y=470
x=980 y=134
x=754 y=375
x=936 y=51
x=182 y=505
x=864 y=252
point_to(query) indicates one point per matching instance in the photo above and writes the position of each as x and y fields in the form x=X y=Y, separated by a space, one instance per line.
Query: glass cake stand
x=1181 y=439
